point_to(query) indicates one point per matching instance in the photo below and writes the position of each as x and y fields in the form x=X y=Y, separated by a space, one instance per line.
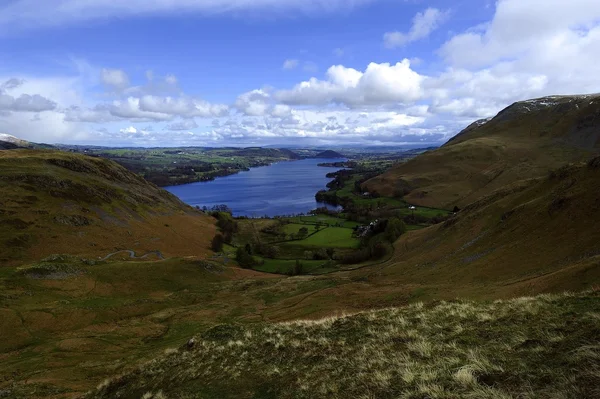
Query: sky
x=283 y=72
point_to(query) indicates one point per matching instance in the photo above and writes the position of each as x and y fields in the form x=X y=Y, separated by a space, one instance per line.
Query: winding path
x=132 y=254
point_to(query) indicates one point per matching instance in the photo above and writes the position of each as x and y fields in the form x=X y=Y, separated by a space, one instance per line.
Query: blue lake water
x=282 y=188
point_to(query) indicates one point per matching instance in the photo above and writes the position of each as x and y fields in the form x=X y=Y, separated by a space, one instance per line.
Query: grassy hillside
x=536 y=347
x=55 y=202
x=66 y=325
x=532 y=236
x=525 y=140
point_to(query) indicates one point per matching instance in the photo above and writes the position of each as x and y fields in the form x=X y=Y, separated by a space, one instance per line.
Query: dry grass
x=537 y=347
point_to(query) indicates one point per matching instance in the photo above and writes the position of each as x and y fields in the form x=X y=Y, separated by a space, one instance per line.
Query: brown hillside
x=534 y=236
x=61 y=203
x=523 y=141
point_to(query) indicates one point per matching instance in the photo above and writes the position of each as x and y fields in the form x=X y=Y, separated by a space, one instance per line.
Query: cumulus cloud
x=26 y=103
x=378 y=84
x=529 y=29
x=422 y=25
x=114 y=79
x=529 y=49
x=133 y=131
x=183 y=106
x=253 y=103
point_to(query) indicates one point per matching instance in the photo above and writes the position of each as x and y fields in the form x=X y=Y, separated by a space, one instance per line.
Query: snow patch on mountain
x=9 y=138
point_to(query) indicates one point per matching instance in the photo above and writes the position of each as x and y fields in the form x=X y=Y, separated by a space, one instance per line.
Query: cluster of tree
x=320 y=254
x=266 y=250
x=227 y=224
x=378 y=242
x=376 y=248
x=244 y=258
x=325 y=211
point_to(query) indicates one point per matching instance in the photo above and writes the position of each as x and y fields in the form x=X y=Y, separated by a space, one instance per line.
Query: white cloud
x=35 y=14
x=182 y=106
x=131 y=109
x=339 y=126
x=530 y=49
x=186 y=124
x=422 y=25
x=378 y=84
x=290 y=64
x=26 y=103
x=115 y=79
x=253 y=103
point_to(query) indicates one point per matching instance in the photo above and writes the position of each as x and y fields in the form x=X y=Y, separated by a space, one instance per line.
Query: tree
x=330 y=252
x=271 y=251
x=244 y=259
x=302 y=233
x=320 y=254
x=297 y=268
x=394 y=229
x=217 y=243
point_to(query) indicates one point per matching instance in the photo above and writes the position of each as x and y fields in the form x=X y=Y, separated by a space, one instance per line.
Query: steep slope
x=522 y=348
x=55 y=202
x=523 y=141
x=533 y=236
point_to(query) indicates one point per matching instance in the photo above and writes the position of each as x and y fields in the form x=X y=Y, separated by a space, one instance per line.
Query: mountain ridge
x=525 y=140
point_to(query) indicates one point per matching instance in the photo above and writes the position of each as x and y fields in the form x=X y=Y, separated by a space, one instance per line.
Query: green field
x=324 y=219
x=331 y=237
x=293 y=228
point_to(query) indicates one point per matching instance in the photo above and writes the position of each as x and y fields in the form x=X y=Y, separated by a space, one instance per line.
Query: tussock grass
x=534 y=347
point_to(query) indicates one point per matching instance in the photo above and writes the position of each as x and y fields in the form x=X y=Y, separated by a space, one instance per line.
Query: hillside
x=55 y=202
x=523 y=141
x=533 y=236
x=525 y=347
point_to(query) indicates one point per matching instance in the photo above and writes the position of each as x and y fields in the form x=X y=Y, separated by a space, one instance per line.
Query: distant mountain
x=265 y=152
x=527 y=139
x=9 y=142
x=329 y=154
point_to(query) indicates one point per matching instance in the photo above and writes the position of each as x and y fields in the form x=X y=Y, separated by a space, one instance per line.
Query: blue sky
x=290 y=72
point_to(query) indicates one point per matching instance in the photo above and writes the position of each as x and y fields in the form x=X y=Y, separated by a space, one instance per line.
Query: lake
x=279 y=189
